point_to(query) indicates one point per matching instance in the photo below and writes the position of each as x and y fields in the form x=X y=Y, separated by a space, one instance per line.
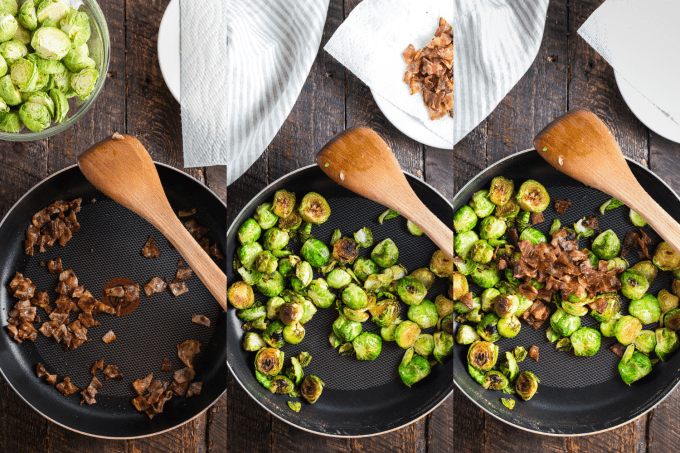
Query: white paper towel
x=370 y=42
x=640 y=39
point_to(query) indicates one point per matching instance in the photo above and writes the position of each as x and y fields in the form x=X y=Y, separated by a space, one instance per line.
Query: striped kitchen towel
x=496 y=41
x=271 y=47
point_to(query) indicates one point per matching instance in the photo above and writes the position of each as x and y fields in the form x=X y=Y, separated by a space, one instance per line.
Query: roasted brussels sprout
x=354 y=297
x=273 y=306
x=486 y=276
x=634 y=285
x=508 y=211
x=667 y=301
x=460 y=285
x=240 y=295
x=281 y=384
x=645 y=342
x=269 y=361
x=482 y=355
x=291 y=313
x=275 y=239
x=273 y=334
x=363 y=267
x=313 y=208
x=377 y=283
x=563 y=323
x=607 y=245
x=463 y=243
x=413 y=228
x=481 y=204
x=319 y=293
x=490 y=228
x=406 y=334
x=385 y=253
x=665 y=258
x=646 y=309
x=291 y=223
x=355 y=315
x=385 y=313
x=338 y=278
x=666 y=343
x=481 y=252
x=345 y=329
x=647 y=269
x=247 y=254
x=447 y=323
x=315 y=252
x=526 y=385
x=532 y=196
x=636 y=219
x=509 y=326
x=424 y=314
x=501 y=190
x=466 y=334
x=672 y=319
x=627 y=329
x=253 y=342
x=464 y=220
x=387 y=333
x=413 y=368
x=424 y=345
x=345 y=250
x=637 y=367
x=613 y=306
x=488 y=299
x=367 y=346
x=364 y=237
x=265 y=262
x=249 y=232
x=265 y=217
x=505 y=305
x=311 y=388
x=495 y=380
x=586 y=342
x=284 y=203
x=532 y=235
x=487 y=328
x=411 y=291
x=608 y=328
x=425 y=276
x=271 y=285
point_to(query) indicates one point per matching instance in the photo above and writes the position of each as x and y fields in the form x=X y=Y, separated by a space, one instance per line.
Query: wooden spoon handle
x=434 y=228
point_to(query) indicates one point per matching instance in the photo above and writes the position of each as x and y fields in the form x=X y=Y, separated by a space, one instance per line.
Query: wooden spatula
x=122 y=169
x=360 y=160
x=580 y=145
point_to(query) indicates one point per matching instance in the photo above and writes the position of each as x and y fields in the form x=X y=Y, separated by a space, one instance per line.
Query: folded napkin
x=495 y=42
x=272 y=45
x=370 y=43
x=640 y=39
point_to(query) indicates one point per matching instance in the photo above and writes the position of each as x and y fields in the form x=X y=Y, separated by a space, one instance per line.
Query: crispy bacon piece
x=196 y=230
x=66 y=387
x=513 y=237
x=87 y=302
x=533 y=352
x=150 y=249
x=167 y=365
x=131 y=293
x=98 y=365
x=178 y=287
x=21 y=287
x=41 y=371
x=187 y=351
x=156 y=285
x=116 y=291
x=184 y=273
x=101 y=307
x=216 y=252
x=55 y=266
x=51 y=379
x=591 y=222
x=618 y=349
x=179 y=388
x=157 y=407
x=205 y=244
x=112 y=372
x=536 y=315
x=41 y=299
x=109 y=337
x=536 y=218
x=68 y=285
x=184 y=375
x=631 y=239
x=90 y=391
x=195 y=388
x=561 y=206
x=140 y=385
x=57 y=222
x=200 y=319
x=140 y=403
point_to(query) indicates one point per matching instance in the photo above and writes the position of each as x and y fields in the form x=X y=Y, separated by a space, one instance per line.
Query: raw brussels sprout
x=240 y=295
x=276 y=239
x=487 y=328
x=509 y=326
x=77 y=26
x=314 y=251
x=672 y=319
x=464 y=220
x=481 y=204
x=354 y=297
x=495 y=380
x=425 y=314
x=563 y=323
x=665 y=258
x=77 y=59
x=486 y=276
x=482 y=355
x=634 y=285
x=61 y=106
x=36 y=117
x=345 y=329
x=406 y=334
x=490 y=228
x=269 y=361
x=385 y=313
x=385 y=253
x=364 y=237
x=666 y=343
x=667 y=301
x=271 y=285
x=607 y=245
x=508 y=211
x=647 y=269
x=532 y=196
x=10 y=122
x=637 y=219
x=532 y=235
x=363 y=267
x=586 y=342
x=627 y=329
x=505 y=305
x=463 y=242
x=411 y=291
x=646 y=309
x=51 y=44
x=501 y=190
x=613 y=306
x=367 y=346
x=265 y=262
x=460 y=285
x=51 y=10
x=8 y=27
x=481 y=252
x=637 y=367
x=24 y=74
x=489 y=299
x=253 y=342
x=311 y=388
x=413 y=368
x=273 y=334
x=265 y=217
x=466 y=334
x=27 y=16
x=645 y=342
x=424 y=345
x=345 y=250
x=12 y=50
x=284 y=203
x=526 y=385
x=338 y=279
x=425 y=276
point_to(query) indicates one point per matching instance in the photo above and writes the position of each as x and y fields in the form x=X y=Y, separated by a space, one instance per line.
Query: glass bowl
x=100 y=47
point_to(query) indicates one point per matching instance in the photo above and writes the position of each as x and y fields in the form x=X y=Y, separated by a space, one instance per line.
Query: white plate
x=408 y=125
x=168 y=48
x=647 y=112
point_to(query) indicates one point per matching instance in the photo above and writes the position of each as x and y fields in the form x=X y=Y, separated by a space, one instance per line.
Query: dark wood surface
x=332 y=100
x=566 y=74
x=135 y=100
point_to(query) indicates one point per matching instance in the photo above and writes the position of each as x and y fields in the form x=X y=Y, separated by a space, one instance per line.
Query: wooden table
x=567 y=74
x=134 y=100
x=332 y=100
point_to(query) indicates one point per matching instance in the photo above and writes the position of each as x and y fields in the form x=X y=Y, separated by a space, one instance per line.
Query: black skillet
x=577 y=395
x=108 y=246
x=360 y=398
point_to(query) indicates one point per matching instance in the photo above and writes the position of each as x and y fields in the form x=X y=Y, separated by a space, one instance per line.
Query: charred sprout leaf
x=413 y=228
x=345 y=250
x=505 y=305
x=581 y=230
x=387 y=215
x=295 y=405
x=413 y=368
x=304 y=358
x=263 y=379
x=464 y=220
x=314 y=208
x=613 y=305
x=635 y=369
x=610 y=204
x=636 y=219
x=363 y=237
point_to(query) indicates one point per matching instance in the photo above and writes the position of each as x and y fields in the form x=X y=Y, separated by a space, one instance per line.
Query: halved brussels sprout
x=444 y=305
x=532 y=196
x=8 y=26
x=338 y=278
x=253 y=342
x=495 y=380
x=385 y=313
x=10 y=122
x=273 y=334
x=240 y=295
x=636 y=219
x=265 y=262
x=645 y=342
x=271 y=285
x=466 y=334
x=648 y=269
x=294 y=333
x=53 y=44
x=36 y=117
x=606 y=245
x=481 y=204
x=367 y=346
x=424 y=345
x=387 y=333
x=363 y=267
x=563 y=323
x=508 y=211
x=291 y=223
x=304 y=272
x=424 y=314
x=608 y=328
x=501 y=190
x=481 y=252
x=447 y=323
x=425 y=276
x=491 y=227
x=665 y=258
x=247 y=254
x=77 y=59
x=509 y=326
x=290 y=313
x=354 y=297
x=345 y=250
x=667 y=301
x=617 y=264
x=672 y=319
x=646 y=309
x=252 y=313
x=464 y=220
x=311 y=389
x=526 y=385
x=27 y=16
x=12 y=50
x=51 y=10
x=459 y=285
x=637 y=367
x=284 y=203
x=411 y=290
x=482 y=355
x=634 y=285
x=314 y=208
x=413 y=368
x=315 y=252
x=265 y=217
x=486 y=276
x=586 y=342
x=273 y=306
x=319 y=293
x=385 y=253
x=666 y=343
x=505 y=305
x=406 y=334
x=355 y=315
x=77 y=26
x=61 y=106
x=532 y=235
x=463 y=242
x=269 y=361
x=364 y=237
x=627 y=329
x=413 y=228
x=487 y=328
x=345 y=329
x=613 y=306
x=488 y=299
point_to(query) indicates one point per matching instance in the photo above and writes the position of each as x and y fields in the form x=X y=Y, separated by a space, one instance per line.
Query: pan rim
x=544 y=433
x=342 y=436
x=14 y=206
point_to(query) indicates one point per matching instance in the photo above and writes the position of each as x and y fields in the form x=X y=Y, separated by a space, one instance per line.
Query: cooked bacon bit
x=536 y=315
x=645 y=239
x=66 y=387
x=187 y=351
x=187 y=213
x=631 y=239
x=41 y=299
x=533 y=352
x=51 y=379
x=180 y=263
x=150 y=249
x=195 y=388
x=157 y=386
x=618 y=349
x=68 y=284
x=140 y=385
x=101 y=307
x=624 y=252
x=87 y=302
x=196 y=230
x=599 y=304
x=23 y=312
x=99 y=365
x=131 y=293
x=57 y=222
x=140 y=403
x=90 y=392
x=528 y=290
x=178 y=287
x=157 y=407
x=112 y=372
x=184 y=273
x=21 y=287
x=179 y=388
x=40 y=370
x=116 y=291
x=184 y=375
x=109 y=337
x=591 y=222
x=205 y=244
x=167 y=365
x=200 y=319
x=536 y=218
x=561 y=206
x=216 y=252
x=502 y=264
x=55 y=266
x=513 y=238
x=156 y=285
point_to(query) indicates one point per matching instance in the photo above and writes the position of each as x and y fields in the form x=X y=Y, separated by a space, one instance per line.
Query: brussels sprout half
x=666 y=343
x=563 y=323
x=586 y=341
x=637 y=367
x=311 y=389
x=647 y=269
x=385 y=253
x=665 y=258
x=269 y=361
x=315 y=252
x=646 y=309
x=464 y=219
x=491 y=227
x=413 y=368
x=606 y=245
x=406 y=334
x=481 y=204
x=425 y=314
x=411 y=290
x=367 y=346
x=532 y=196
x=627 y=329
x=633 y=284
x=501 y=190
x=526 y=385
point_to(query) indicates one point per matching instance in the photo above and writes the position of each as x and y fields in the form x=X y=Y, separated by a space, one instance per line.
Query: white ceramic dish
x=169 y=48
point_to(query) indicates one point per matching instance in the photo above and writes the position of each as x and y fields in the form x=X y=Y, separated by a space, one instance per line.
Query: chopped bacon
x=22 y=288
x=99 y=365
x=631 y=239
x=200 y=319
x=561 y=206
x=187 y=351
x=156 y=285
x=150 y=249
x=184 y=273
x=536 y=218
x=205 y=244
x=216 y=252
x=140 y=385
x=140 y=403
x=536 y=315
x=618 y=349
x=41 y=299
x=66 y=387
x=196 y=230
x=112 y=372
x=533 y=352
x=90 y=391
x=591 y=222
x=109 y=337
x=178 y=287
x=55 y=266
x=184 y=375
x=179 y=388
x=167 y=365
x=513 y=238
x=116 y=291
x=40 y=370
x=195 y=388
x=57 y=222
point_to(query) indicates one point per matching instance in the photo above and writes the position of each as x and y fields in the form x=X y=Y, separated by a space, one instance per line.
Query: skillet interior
x=107 y=246
x=577 y=395
x=360 y=398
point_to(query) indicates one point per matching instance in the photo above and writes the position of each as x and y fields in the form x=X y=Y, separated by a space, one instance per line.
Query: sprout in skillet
x=481 y=205
x=491 y=227
x=425 y=314
x=665 y=258
x=265 y=217
x=269 y=361
x=315 y=252
x=240 y=295
x=411 y=290
x=464 y=220
x=627 y=329
x=532 y=196
x=501 y=190
x=385 y=253
x=406 y=334
x=413 y=368
x=367 y=346
x=647 y=269
x=466 y=334
x=606 y=245
x=463 y=242
x=646 y=309
x=311 y=389
x=526 y=385
x=634 y=285
x=635 y=368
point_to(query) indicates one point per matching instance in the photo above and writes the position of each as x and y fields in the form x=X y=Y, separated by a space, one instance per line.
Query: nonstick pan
x=108 y=246
x=577 y=395
x=360 y=398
